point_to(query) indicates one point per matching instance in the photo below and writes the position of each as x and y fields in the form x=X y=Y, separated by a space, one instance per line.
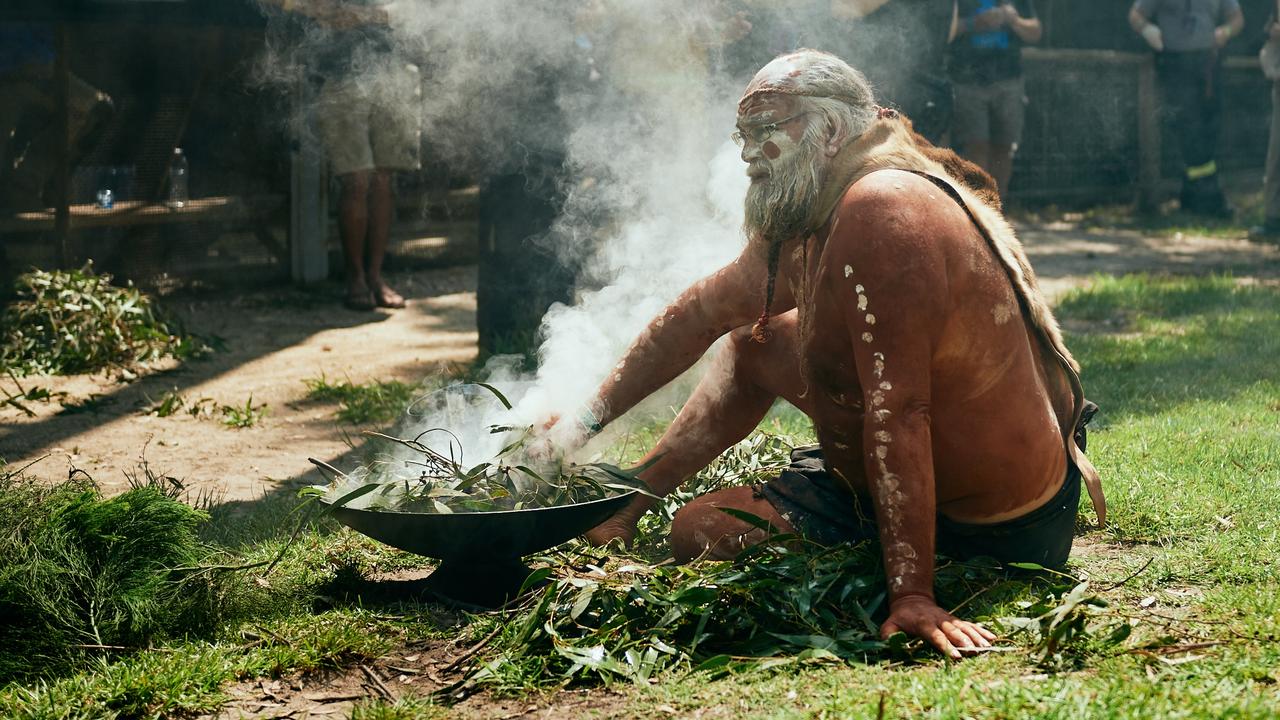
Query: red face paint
x=771 y=151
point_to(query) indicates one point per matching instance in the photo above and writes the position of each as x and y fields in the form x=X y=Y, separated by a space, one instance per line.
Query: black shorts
x=821 y=508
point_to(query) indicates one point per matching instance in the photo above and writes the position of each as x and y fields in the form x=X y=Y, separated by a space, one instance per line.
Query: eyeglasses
x=759 y=133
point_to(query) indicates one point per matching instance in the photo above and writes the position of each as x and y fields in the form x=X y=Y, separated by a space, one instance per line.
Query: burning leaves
x=439 y=481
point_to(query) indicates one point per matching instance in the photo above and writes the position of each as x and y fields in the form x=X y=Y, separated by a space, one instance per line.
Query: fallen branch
x=378 y=684
x=472 y=651
x=1133 y=575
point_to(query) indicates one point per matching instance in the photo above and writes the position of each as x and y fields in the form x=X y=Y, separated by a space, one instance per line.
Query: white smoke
x=646 y=119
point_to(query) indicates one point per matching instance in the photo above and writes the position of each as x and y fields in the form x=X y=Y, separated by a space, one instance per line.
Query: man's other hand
x=921 y=617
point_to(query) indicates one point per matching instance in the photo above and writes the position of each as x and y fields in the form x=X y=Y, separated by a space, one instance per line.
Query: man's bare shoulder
x=895 y=211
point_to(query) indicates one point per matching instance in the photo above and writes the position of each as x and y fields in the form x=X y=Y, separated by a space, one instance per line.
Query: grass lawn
x=1179 y=616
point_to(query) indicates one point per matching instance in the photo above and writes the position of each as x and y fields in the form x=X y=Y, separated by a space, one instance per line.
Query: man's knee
x=698 y=530
x=702 y=529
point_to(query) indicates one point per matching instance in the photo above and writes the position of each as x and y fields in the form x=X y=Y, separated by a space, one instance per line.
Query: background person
x=901 y=46
x=369 y=121
x=1186 y=36
x=986 y=66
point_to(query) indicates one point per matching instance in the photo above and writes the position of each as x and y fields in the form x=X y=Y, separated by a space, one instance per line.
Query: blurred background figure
x=901 y=47
x=1186 y=36
x=29 y=143
x=1270 y=227
x=369 y=119
x=986 y=66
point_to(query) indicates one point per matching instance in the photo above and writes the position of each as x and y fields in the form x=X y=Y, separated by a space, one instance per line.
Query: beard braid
x=778 y=210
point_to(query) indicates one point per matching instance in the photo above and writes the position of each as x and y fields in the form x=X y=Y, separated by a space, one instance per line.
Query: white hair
x=828 y=87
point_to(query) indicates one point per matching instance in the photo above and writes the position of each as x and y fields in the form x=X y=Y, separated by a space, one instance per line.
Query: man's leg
x=1000 y=165
x=381 y=211
x=739 y=388
x=1008 y=113
x=353 y=223
x=971 y=124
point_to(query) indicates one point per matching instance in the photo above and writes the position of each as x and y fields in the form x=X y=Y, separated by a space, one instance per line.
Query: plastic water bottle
x=178 y=172
x=108 y=185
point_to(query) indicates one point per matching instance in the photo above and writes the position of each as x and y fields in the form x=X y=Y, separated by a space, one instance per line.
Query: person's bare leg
x=1000 y=158
x=353 y=224
x=381 y=210
x=735 y=394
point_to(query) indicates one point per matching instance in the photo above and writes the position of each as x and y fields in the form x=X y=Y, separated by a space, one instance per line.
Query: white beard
x=779 y=206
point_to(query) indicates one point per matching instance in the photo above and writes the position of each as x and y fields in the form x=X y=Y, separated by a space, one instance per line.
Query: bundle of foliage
x=780 y=602
x=75 y=321
x=79 y=571
x=440 y=483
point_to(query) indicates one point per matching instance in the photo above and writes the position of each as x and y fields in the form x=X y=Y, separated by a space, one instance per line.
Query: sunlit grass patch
x=377 y=401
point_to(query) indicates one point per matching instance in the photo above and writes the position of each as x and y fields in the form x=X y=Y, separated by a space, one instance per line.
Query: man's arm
x=1028 y=28
x=1141 y=24
x=889 y=275
x=674 y=340
x=1231 y=28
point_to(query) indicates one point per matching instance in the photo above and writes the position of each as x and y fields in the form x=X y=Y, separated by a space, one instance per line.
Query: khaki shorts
x=361 y=131
x=989 y=113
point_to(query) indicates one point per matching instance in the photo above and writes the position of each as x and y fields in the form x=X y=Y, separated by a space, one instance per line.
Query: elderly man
x=900 y=314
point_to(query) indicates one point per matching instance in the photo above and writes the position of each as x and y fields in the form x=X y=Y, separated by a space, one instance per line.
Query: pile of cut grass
x=82 y=572
x=75 y=321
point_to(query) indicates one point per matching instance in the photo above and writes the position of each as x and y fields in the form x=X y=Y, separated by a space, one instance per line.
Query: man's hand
x=920 y=616
x=1222 y=35
x=990 y=19
x=554 y=438
x=1151 y=33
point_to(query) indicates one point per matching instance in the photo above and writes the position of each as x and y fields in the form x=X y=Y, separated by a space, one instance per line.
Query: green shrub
x=76 y=321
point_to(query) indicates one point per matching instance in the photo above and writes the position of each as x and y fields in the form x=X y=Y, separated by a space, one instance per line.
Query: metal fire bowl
x=480 y=552
x=481 y=536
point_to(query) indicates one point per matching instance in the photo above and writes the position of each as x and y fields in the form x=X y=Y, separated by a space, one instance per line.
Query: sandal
x=385 y=297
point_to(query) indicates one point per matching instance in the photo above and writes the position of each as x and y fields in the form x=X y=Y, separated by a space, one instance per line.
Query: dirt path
x=277 y=340
x=274 y=341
